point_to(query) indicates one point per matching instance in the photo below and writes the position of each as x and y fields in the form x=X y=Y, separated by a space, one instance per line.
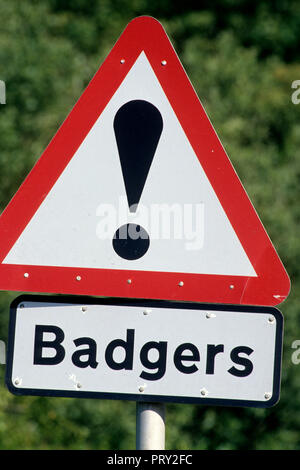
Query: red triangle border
x=272 y=284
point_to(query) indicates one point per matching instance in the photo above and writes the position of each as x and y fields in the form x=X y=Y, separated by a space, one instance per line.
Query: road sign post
x=150 y=426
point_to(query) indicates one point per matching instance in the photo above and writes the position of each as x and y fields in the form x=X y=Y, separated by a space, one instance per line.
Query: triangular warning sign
x=136 y=197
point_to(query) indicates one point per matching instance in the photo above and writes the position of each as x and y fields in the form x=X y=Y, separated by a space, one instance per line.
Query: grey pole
x=150 y=426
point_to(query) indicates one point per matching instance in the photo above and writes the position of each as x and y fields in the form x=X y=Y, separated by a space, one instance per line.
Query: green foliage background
x=242 y=57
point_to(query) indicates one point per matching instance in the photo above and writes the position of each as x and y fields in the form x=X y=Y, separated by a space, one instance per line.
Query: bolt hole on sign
x=135 y=196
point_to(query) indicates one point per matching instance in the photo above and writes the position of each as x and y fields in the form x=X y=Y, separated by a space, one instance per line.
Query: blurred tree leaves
x=242 y=57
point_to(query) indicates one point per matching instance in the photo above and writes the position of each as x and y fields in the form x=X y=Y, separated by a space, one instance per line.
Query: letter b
x=39 y=344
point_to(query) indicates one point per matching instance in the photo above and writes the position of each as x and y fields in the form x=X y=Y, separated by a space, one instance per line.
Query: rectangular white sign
x=145 y=350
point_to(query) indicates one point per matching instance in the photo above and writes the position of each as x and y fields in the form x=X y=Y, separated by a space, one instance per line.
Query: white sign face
x=145 y=350
x=189 y=230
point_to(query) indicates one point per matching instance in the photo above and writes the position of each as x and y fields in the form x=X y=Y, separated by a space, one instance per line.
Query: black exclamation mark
x=138 y=125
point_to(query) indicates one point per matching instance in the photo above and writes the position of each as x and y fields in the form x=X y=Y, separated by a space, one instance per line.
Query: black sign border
x=146 y=303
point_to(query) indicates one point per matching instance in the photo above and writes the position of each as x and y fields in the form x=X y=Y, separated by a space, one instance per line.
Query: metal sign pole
x=150 y=426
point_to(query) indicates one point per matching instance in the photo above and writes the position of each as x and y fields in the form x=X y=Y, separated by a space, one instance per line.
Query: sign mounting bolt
x=78 y=278
x=181 y=283
x=122 y=61
x=210 y=315
x=203 y=392
x=129 y=281
x=268 y=396
x=163 y=62
x=26 y=274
